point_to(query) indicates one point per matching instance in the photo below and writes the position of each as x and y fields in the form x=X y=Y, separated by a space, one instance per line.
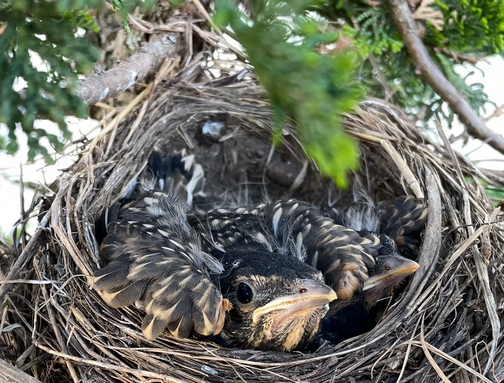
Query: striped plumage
x=154 y=256
x=254 y=275
x=398 y=224
x=402 y=219
x=297 y=228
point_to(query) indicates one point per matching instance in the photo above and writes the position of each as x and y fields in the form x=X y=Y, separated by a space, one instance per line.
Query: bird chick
x=262 y=276
x=398 y=225
x=300 y=230
x=277 y=301
x=347 y=319
x=402 y=219
x=153 y=255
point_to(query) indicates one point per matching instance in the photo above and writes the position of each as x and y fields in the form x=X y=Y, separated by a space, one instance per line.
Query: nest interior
x=446 y=324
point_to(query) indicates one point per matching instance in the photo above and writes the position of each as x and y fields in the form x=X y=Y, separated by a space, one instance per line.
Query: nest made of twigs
x=445 y=324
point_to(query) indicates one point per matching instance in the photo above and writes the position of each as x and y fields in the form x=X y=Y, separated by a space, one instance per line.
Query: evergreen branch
x=474 y=125
x=473 y=60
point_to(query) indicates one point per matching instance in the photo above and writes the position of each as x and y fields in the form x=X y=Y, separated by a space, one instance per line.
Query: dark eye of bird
x=244 y=293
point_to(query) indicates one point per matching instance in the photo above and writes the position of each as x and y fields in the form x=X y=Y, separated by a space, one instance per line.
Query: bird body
x=277 y=301
x=154 y=256
x=261 y=277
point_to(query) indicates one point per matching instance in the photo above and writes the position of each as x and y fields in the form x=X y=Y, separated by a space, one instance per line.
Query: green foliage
x=374 y=35
x=496 y=193
x=44 y=31
x=474 y=93
x=302 y=84
x=471 y=27
x=8 y=235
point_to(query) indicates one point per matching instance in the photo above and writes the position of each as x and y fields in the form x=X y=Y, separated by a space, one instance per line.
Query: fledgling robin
x=398 y=224
x=261 y=277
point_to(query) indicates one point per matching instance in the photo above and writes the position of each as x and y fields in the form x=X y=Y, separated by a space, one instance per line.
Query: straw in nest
x=446 y=325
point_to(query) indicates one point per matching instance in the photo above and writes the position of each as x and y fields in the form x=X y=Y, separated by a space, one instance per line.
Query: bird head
x=278 y=301
x=386 y=275
x=348 y=318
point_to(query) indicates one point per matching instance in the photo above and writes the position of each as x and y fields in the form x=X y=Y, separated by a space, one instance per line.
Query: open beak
x=390 y=271
x=308 y=296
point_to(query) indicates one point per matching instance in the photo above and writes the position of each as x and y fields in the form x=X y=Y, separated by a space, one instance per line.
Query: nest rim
x=88 y=334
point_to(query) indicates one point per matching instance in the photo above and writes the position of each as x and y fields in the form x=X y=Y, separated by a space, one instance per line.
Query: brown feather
x=155 y=258
x=298 y=228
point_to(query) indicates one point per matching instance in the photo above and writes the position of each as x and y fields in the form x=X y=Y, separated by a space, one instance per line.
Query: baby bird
x=261 y=277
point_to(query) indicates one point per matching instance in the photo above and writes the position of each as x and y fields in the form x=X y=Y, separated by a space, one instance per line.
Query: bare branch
x=474 y=125
x=115 y=81
x=496 y=113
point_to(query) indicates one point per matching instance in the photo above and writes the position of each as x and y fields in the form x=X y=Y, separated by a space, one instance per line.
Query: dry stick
x=373 y=137
x=452 y=359
x=428 y=354
x=115 y=81
x=489 y=300
x=22 y=203
x=62 y=345
x=385 y=353
x=27 y=281
x=408 y=351
x=108 y=366
x=404 y=169
x=64 y=237
x=481 y=266
x=114 y=123
x=25 y=256
x=11 y=374
x=252 y=363
x=209 y=38
x=80 y=318
x=496 y=113
x=207 y=17
x=299 y=179
x=486 y=246
x=468 y=242
x=429 y=254
x=407 y=27
x=431 y=246
x=165 y=69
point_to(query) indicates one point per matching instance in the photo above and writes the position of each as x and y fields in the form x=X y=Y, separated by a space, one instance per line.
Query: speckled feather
x=298 y=228
x=402 y=219
x=153 y=256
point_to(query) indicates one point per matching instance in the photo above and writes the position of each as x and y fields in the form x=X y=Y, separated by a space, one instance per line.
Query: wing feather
x=154 y=257
x=298 y=228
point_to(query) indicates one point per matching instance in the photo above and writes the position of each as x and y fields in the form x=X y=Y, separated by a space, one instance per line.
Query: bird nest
x=445 y=325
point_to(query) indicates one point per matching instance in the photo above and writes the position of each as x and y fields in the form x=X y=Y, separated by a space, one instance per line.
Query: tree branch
x=474 y=125
x=115 y=81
